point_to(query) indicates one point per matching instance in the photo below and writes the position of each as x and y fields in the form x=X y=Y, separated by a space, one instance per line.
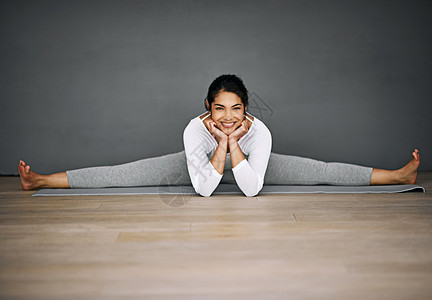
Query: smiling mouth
x=228 y=124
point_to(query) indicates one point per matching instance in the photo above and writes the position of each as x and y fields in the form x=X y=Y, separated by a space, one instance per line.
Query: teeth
x=228 y=124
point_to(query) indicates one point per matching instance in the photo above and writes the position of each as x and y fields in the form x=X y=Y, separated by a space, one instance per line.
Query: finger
x=212 y=127
x=244 y=127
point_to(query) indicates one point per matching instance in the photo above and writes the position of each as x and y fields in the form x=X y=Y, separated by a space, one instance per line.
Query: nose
x=227 y=115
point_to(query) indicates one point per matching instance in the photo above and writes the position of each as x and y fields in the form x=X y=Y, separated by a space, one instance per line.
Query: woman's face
x=227 y=111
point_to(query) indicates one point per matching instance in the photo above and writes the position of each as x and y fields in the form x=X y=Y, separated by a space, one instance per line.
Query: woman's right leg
x=170 y=169
x=31 y=180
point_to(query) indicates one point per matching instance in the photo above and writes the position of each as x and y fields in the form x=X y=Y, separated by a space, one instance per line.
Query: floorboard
x=291 y=246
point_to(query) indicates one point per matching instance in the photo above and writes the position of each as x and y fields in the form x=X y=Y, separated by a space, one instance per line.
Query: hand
x=239 y=132
x=216 y=132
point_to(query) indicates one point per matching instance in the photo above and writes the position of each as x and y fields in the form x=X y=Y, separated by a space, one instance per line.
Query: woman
x=223 y=145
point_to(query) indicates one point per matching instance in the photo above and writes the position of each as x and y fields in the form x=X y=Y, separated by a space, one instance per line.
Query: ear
x=208 y=106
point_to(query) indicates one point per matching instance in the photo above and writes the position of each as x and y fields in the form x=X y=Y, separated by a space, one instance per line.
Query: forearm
x=219 y=157
x=235 y=152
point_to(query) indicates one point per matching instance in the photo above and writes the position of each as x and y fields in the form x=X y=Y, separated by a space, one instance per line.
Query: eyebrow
x=224 y=105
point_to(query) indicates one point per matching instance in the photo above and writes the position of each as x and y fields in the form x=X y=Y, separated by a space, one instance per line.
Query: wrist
x=223 y=143
x=223 y=140
x=232 y=140
x=232 y=144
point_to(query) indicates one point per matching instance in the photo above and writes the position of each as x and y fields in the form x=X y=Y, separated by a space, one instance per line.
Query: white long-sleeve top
x=200 y=146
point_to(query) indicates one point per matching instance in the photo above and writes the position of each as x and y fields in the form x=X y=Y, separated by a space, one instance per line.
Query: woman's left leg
x=287 y=169
x=404 y=175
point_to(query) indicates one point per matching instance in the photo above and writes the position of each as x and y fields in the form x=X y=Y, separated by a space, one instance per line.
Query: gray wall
x=86 y=83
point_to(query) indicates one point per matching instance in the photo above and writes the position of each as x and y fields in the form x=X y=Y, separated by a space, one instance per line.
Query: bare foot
x=29 y=179
x=408 y=174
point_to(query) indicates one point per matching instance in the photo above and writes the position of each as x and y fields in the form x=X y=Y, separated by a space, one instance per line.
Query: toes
x=416 y=155
x=27 y=169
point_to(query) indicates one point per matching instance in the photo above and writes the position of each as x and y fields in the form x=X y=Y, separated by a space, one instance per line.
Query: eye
x=219 y=108
x=237 y=108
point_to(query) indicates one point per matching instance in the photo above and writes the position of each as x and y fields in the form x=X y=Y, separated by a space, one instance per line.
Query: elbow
x=251 y=193
x=254 y=192
x=205 y=194
x=200 y=191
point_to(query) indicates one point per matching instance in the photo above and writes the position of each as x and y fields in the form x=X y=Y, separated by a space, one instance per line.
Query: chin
x=228 y=132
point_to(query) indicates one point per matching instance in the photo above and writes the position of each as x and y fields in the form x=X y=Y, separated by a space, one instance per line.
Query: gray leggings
x=171 y=169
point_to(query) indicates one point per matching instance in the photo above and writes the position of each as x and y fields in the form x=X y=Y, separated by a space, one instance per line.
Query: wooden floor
x=297 y=246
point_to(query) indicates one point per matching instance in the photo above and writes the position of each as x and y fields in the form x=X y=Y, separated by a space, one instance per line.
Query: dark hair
x=227 y=83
